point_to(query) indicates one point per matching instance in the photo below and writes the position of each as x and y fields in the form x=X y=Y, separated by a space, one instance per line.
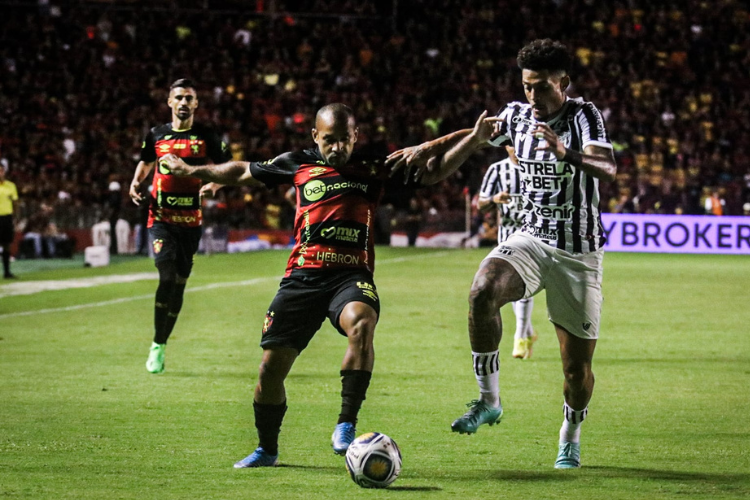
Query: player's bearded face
x=336 y=141
x=545 y=91
x=183 y=102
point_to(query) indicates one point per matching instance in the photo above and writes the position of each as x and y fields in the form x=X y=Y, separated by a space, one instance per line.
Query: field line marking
x=210 y=286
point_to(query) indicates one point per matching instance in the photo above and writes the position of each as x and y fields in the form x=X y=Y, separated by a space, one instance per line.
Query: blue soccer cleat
x=258 y=458
x=479 y=413
x=342 y=437
x=569 y=456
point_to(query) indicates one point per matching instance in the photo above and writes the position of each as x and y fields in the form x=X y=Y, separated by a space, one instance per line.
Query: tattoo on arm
x=595 y=161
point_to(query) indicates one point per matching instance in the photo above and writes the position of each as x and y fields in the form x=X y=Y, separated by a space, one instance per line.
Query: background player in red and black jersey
x=329 y=273
x=174 y=219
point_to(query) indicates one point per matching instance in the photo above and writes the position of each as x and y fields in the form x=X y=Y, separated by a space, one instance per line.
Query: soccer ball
x=373 y=460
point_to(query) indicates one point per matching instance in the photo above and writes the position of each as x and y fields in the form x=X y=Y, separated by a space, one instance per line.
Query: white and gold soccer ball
x=373 y=460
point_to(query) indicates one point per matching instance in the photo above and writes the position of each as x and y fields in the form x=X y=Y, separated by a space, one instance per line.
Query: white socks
x=570 y=432
x=522 y=309
x=487 y=372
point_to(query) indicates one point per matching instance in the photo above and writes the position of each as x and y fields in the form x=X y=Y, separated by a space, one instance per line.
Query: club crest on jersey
x=268 y=321
x=158 y=245
x=314 y=172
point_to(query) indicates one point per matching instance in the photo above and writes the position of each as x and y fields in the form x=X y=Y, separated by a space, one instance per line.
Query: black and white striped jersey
x=561 y=202
x=505 y=176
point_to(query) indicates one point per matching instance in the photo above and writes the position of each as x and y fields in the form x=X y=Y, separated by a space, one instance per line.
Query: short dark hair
x=545 y=54
x=185 y=83
x=337 y=110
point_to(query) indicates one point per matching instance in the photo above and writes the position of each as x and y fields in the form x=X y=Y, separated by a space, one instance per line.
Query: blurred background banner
x=676 y=234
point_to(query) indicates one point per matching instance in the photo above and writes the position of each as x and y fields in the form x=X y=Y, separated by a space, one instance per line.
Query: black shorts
x=175 y=243
x=7 y=231
x=302 y=304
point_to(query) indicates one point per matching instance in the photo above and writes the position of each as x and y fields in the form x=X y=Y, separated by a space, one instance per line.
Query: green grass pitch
x=81 y=418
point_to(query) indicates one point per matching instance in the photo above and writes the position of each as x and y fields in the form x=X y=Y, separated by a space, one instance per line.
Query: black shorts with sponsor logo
x=7 y=231
x=304 y=301
x=175 y=243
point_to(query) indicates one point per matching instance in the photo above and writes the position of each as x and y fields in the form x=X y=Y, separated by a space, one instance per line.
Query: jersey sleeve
x=490 y=185
x=591 y=124
x=148 y=148
x=280 y=170
x=217 y=149
x=503 y=134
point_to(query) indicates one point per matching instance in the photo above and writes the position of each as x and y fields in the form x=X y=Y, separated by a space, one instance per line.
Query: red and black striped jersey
x=333 y=227
x=175 y=200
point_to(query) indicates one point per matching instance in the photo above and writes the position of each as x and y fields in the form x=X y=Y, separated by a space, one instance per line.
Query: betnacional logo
x=164 y=167
x=314 y=190
x=158 y=245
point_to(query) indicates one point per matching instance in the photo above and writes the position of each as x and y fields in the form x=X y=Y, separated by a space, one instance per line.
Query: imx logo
x=180 y=201
x=341 y=234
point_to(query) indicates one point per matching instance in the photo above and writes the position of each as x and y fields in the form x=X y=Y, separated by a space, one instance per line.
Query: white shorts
x=573 y=281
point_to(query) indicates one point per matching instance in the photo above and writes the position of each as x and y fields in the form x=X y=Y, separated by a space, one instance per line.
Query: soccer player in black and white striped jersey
x=563 y=152
x=501 y=188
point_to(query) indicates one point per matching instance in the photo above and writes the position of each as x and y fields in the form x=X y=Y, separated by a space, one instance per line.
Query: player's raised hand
x=502 y=197
x=486 y=127
x=551 y=142
x=175 y=165
x=209 y=190
x=412 y=158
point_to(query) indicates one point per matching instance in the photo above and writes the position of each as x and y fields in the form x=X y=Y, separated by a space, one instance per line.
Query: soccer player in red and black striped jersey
x=329 y=273
x=174 y=220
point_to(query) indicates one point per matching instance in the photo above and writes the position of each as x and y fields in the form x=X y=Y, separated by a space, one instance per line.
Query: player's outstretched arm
x=416 y=157
x=232 y=172
x=439 y=168
x=141 y=172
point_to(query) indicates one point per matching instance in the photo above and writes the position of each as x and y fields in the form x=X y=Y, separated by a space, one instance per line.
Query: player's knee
x=362 y=330
x=577 y=375
x=484 y=295
x=270 y=373
x=167 y=272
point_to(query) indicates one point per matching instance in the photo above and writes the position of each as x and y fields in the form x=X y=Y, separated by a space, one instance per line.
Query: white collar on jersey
x=564 y=109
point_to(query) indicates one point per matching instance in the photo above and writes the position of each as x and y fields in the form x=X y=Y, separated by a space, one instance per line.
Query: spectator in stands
x=715 y=204
x=43 y=233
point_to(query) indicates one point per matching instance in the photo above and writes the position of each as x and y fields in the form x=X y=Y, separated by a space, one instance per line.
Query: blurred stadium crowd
x=83 y=82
